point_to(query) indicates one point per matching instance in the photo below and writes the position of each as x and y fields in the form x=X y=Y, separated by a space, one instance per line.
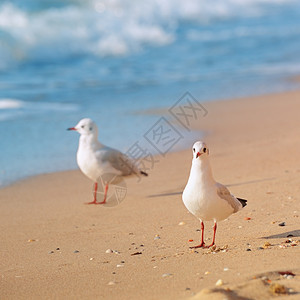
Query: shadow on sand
x=228 y=185
x=294 y=233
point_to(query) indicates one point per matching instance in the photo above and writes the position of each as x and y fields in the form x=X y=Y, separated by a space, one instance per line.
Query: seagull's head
x=200 y=150
x=86 y=126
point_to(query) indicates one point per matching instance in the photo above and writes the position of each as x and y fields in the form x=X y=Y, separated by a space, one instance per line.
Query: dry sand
x=54 y=247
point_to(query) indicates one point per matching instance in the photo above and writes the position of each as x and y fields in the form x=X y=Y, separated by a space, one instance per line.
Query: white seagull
x=95 y=160
x=204 y=197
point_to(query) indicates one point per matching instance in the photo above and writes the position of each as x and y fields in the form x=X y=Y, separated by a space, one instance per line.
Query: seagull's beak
x=198 y=154
x=72 y=128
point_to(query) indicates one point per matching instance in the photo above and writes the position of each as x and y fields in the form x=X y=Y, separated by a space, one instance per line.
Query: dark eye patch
x=82 y=126
x=204 y=150
x=194 y=149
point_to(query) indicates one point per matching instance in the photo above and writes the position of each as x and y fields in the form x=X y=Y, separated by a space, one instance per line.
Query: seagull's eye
x=82 y=126
x=91 y=128
x=194 y=149
x=204 y=150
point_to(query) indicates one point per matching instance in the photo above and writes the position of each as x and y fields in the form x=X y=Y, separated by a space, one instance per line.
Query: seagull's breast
x=197 y=200
x=201 y=200
x=89 y=163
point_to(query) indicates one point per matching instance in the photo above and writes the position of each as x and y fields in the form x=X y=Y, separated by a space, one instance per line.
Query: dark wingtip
x=144 y=173
x=243 y=201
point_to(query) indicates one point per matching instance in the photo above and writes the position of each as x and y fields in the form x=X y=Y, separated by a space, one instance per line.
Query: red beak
x=198 y=154
x=72 y=128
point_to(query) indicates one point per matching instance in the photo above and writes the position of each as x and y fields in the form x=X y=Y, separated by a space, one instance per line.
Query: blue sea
x=62 y=60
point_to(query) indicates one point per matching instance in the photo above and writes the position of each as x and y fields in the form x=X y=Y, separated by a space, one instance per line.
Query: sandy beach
x=54 y=247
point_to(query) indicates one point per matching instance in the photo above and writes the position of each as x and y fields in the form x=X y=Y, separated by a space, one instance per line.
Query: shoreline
x=54 y=246
x=162 y=112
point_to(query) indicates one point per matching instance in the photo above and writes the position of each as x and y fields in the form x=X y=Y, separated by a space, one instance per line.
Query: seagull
x=96 y=160
x=205 y=198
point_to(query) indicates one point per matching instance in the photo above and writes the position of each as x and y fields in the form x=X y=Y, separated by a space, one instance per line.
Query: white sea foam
x=10 y=103
x=241 y=32
x=13 y=108
x=107 y=27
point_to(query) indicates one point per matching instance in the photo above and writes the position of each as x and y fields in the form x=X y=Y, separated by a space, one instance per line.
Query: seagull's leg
x=214 y=237
x=105 y=194
x=95 y=194
x=202 y=244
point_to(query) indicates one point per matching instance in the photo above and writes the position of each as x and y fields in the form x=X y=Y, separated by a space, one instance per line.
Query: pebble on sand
x=111 y=283
x=181 y=223
x=266 y=245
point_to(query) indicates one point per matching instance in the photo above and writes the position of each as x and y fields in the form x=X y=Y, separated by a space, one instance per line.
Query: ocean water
x=62 y=60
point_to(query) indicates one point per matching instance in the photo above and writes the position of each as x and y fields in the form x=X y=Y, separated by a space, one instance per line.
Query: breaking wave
x=107 y=27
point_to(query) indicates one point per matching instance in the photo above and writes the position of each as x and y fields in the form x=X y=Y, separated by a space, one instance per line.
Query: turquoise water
x=61 y=61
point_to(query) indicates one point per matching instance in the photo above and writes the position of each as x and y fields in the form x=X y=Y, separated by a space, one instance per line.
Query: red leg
x=214 y=237
x=105 y=194
x=202 y=244
x=95 y=195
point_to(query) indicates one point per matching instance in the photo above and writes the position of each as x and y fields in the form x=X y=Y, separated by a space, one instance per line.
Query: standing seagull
x=96 y=160
x=204 y=197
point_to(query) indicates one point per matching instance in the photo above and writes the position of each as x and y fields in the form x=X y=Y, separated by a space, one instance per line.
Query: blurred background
x=110 y=60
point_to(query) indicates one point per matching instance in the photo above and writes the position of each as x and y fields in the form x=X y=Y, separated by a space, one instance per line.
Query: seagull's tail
x=144 y=173
x=243 y=201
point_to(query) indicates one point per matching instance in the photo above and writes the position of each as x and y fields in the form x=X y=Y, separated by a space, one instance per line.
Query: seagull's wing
x=224 y=193
x=119 y=161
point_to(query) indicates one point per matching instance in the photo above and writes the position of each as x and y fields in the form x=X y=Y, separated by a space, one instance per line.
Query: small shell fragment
x=219 y=282
x=181 y=223
x=109 y=251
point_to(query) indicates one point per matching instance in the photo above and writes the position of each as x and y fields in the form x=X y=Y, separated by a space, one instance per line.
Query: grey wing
x=120 y=161
x=224 y=193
